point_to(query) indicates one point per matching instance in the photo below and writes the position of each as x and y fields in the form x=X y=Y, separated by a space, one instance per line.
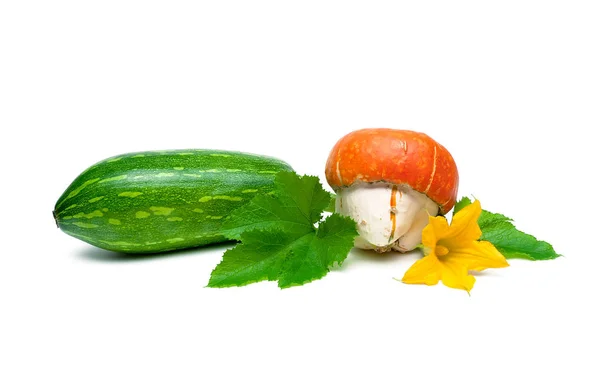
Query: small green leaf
x=462 y=203
x=331 y=205
x=335 y=238
x=511 y=242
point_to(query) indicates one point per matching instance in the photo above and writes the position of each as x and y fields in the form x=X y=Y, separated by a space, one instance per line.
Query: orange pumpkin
x=397 y=157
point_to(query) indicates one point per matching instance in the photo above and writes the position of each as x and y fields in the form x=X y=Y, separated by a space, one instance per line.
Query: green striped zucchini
x=157 y=201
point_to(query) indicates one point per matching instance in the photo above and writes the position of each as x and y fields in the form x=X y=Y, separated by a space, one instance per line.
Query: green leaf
x=462 y=203
x=311 y=260
x=511 y=242
x=488 y=219
x=331 y=205
x=279 y=240
x=265 y=212
x=333 y=236
x=259 y=257
x=302 y=193
x=295 y=206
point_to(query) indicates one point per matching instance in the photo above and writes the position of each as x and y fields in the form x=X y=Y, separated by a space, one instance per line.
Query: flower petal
x=464 y=225
x=452 y=250
x=456 y=275
x=437 y=228
x=478 y=256
x=426 y=270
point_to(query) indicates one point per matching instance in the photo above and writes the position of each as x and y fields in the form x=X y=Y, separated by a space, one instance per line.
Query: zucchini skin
x=157 y=201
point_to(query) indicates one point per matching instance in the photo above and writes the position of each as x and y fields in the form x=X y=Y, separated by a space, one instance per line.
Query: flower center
x=441 y=250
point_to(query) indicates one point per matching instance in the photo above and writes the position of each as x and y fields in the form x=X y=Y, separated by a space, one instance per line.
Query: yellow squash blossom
x=451 y=251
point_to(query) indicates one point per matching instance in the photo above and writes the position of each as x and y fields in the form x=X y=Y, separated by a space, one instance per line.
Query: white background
x=511 y=88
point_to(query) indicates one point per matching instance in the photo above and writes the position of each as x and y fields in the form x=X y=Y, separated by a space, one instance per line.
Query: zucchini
x=156 y=201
